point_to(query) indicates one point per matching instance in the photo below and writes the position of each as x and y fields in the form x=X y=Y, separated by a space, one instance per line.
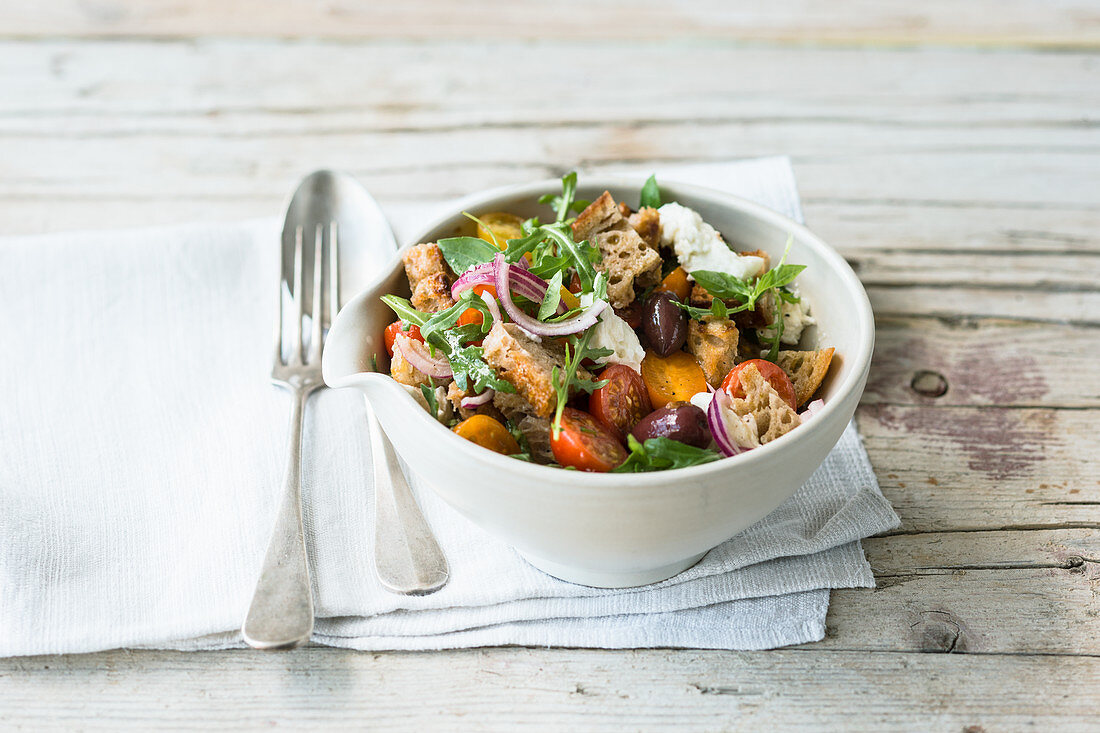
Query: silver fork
x=281 y=613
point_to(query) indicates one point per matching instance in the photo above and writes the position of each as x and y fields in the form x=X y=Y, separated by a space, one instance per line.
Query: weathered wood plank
x=1063 y=24
x=118 y=87
x=514 y=689
x=984 y=362
x=975 y=592
x=961 y=468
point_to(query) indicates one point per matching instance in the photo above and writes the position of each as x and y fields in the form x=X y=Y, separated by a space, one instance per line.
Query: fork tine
x=296 y=347
x=317 y=315
x=333 y=271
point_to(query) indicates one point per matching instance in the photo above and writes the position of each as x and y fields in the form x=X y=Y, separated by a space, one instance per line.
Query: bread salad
x=606 y=340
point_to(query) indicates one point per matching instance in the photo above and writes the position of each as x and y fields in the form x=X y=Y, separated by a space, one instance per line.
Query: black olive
x=680 y=421
x=665 y=324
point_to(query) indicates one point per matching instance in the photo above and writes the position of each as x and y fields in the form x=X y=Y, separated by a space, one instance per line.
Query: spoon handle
x=407 y=557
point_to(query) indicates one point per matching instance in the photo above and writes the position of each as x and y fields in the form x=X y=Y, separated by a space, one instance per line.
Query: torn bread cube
x=807 y=370
x=647 y=223
x=772 y=415
x=527 y=365
x=429 y=278
x=627 y=259
x=405 y=373
x=714 y=346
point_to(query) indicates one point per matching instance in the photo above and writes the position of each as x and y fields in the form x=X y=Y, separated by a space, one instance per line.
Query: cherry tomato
x=585 y=444
x=622 y=402
x=395 y=328
x=575 y=284
x=776 y=377
x=488 y=433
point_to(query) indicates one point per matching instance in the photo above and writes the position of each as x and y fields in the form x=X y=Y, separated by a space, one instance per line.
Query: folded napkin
x=142 y=453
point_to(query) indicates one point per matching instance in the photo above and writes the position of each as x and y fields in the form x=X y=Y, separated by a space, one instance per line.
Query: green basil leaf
x=462 y=253
x=660 y=454
x=651 y=193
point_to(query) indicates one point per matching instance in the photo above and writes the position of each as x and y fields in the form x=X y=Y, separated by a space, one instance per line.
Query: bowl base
x=613 y=579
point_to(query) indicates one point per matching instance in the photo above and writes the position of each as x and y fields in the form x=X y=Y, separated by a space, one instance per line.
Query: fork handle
x=407 y=557
x=281 y=613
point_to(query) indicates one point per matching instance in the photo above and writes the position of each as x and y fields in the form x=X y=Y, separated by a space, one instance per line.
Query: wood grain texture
x=1070 y=23
x=962 y=184
x=516 y=689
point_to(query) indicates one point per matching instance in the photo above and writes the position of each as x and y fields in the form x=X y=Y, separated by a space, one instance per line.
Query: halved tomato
x=395 y=328
x=622 y=402
x=585 y=444
x=776 y=377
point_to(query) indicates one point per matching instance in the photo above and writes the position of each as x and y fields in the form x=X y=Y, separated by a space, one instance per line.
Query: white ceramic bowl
x=618 y=530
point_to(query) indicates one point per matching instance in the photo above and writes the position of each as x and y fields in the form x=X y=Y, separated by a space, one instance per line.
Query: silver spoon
x=407 y=557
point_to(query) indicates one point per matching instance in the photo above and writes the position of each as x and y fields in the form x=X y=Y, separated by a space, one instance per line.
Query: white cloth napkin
x=142 y=454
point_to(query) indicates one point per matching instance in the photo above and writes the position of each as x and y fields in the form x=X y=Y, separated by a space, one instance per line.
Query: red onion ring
x=726 y=445
x=583 y=320
x=416 y=354
x=523 y=282
x=476 y=401
x=494 y=309
x=812 y=409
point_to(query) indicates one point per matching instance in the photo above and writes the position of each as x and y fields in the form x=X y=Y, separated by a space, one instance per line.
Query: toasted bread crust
x=405 y=373
x=773 y=416
x=714 y=346
x=627 y=259
x=647 y=223
x=429 y=278
x=807 y=370
x=527 y=365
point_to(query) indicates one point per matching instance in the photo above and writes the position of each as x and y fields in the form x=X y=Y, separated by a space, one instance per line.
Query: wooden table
x=949 y=150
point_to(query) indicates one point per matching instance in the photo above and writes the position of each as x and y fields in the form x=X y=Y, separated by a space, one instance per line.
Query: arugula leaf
x=439 y=332
x=565 y=203
x=552 y=298
x=404 y=310
x=429 y=397
x=576 y=349
x=651 y=194
x=659 y=454
x=462 y=253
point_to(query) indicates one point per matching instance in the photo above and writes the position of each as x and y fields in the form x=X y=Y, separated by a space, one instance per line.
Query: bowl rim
x=583 y=479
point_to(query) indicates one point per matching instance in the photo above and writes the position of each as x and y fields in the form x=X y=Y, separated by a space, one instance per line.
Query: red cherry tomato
x=585 y=444
x=622 y=402
x=776 y=377
x=395 y=328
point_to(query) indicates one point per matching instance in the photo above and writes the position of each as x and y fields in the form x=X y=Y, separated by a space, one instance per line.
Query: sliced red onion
x=471 y=403
x=812 y=409
x=523 y=282
x=583 y=320
x=417 y=354
x=494 y=309
x=726 y=445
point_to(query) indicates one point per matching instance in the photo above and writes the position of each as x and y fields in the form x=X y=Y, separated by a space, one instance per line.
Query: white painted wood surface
x=951 y=152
